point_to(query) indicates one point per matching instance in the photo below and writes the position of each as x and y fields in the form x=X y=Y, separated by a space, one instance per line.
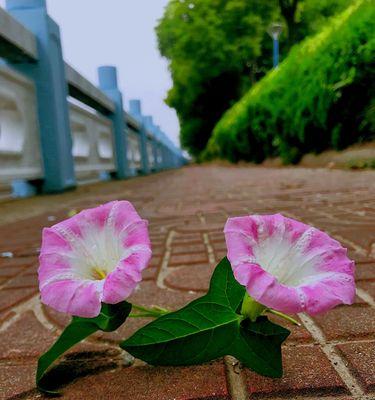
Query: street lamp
x=274 y=31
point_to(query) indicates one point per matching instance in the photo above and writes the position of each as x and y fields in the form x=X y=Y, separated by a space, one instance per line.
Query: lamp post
x=274 y=31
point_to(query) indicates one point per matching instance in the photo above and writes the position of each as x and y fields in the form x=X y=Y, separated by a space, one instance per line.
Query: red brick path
x=330 y=357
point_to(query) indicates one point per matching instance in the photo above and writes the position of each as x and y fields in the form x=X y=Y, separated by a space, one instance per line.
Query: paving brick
x=193 y=277
x=206 y=382
x=155 y=261
x=340 y=202
x=369 y=287
x=189 y=248
x=158 y=251
x=307 y=371
x=58 y=319
x=12 y=297
x=5 y=315
x=180 y=260
x=16 y=379
x=149 y=274
x=365 y=271
x=217 y=237
x=361 y=360
x=26 y=337
x=12 y=266
x=187 y=238
x=19 y=379
x=348 y=322
x=23 y=281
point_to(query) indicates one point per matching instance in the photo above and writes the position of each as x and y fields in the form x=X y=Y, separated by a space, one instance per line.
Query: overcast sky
x=121 y=33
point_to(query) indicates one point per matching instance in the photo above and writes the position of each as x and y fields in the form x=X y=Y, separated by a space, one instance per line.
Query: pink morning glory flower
x=289 y=266
x=96 y=256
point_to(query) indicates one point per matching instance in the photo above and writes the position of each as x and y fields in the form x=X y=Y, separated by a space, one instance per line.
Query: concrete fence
x=57 y=129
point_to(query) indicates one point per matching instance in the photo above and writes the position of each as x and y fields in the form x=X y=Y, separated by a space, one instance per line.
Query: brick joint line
x=335 y=359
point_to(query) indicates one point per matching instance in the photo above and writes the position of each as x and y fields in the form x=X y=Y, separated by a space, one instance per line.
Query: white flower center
x=288 y=262
x=96 y=252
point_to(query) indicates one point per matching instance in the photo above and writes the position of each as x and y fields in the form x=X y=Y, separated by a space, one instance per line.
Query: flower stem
x=251 y=308
x=282 y=315
x=145 y=312
x=142 y=315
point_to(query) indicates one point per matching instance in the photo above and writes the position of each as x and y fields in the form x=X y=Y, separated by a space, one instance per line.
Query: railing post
x=149 y=124
x=136 y=111
x=48 y=74
x=166 y=150
x=161 y=146
x=108 y=83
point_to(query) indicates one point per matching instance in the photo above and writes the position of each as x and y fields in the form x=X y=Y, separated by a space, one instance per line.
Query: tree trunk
x=288 y=11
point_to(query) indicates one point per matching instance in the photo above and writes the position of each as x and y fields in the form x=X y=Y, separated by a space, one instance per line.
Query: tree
x=288 y=9
x=217 y=49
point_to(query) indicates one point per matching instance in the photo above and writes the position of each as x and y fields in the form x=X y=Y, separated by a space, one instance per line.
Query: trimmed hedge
x=321 y=96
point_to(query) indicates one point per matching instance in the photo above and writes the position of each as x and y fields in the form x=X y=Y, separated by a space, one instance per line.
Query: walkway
x=330 y=357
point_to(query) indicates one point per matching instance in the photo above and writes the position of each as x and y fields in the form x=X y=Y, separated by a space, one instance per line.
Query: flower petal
x=110 y=242
x=120 y=283
x=287 y=265
x=266 y=290
x=81 y=298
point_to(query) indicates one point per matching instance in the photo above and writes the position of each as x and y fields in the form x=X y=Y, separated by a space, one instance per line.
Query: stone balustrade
x=57 y=129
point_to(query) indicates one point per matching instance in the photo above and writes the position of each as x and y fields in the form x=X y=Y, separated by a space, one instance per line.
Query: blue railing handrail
x=30 y=44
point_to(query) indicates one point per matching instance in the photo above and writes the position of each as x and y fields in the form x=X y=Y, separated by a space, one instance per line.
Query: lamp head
x=275 y=30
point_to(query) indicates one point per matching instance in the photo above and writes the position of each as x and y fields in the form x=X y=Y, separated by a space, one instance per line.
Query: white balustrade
x=92 y=143
x=134 y=151
x=159 y=155
x=150 y=154
x=19 y=132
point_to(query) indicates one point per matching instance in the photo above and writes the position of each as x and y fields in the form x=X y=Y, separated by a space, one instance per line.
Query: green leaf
x=209 y=328
x=258 y=346
x=224 y=289
x=110 y=318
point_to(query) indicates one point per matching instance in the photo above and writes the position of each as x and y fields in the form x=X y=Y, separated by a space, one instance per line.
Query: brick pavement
x=329 y=357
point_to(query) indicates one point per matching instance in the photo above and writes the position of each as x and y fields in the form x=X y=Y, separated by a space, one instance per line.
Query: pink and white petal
x=53 y=242
x=239 y=248
x=266 y=290
x=246 y=226
x=269 y=225
x=329 y=292
x=124 y=214
x=87 y=300
x=320 y=240
x=295 y=229
x=139 y=258
x=81 y=298
x=136 y=233
x=337 y=262
x=96 y=217
x=52 y=267
x=121 y=282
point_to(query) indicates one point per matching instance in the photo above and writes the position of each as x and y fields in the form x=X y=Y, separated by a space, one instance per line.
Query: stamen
x=98 y=274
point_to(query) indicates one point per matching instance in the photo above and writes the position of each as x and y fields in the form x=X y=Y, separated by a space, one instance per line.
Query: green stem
x=282 y=315
x=143 y=315
x=251 y=308
x=145 y=312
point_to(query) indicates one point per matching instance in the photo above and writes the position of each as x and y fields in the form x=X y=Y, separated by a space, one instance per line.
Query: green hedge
x=321 y=96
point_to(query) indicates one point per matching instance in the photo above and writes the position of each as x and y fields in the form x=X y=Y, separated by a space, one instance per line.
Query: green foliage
x=110 y=318
x=209 y=328
x=218 y=48
x=361 y=164
x=319 y=97
x=210 y=45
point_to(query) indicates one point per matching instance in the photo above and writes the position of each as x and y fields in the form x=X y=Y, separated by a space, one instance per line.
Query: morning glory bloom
x=289 y=266
x=96 y=256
